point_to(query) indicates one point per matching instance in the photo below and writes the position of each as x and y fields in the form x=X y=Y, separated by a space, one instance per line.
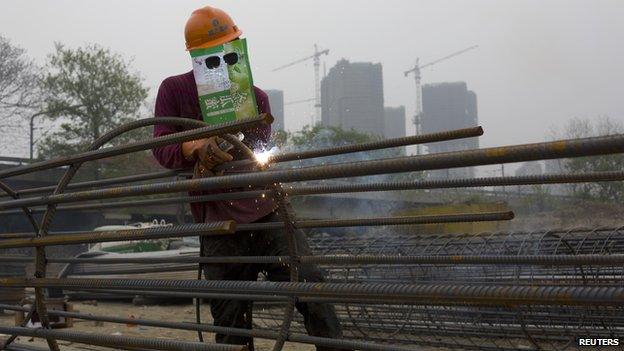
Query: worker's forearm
x=171 y=156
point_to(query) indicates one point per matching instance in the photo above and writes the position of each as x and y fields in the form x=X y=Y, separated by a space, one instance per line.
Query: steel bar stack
x=392 y=291
x=583 y=258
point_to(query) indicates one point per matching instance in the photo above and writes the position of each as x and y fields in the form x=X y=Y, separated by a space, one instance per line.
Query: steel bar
x=315 y=223
x=527 y=152
x=258 y=333
x=100 y=182
x=561 y=178
x=373 y=145
x=485 y=291
x=16 y=347
x=213 y=228
x=16 y=235
x=153 y=202
x=488 y=326
x=119 y=341
x=336 y=260
x=587 y=239
x=380 y=144
x=285 y=213
x=424 y=293
x=229 y=296
x=25 y=210
x=187 y=295
x=48 y=215
x=201 y=132
x=380 y=221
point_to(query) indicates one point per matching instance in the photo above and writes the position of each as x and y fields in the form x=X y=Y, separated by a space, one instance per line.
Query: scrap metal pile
x=393 y=292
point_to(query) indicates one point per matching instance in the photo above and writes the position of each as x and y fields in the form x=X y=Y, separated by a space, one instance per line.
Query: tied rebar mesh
x=544 y=259
x=393 y=291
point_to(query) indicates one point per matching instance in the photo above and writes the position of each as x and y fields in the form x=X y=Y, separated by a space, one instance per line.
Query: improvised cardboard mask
x=224 y=82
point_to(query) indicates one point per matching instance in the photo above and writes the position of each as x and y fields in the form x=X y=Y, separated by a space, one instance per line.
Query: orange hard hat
x=209 y=26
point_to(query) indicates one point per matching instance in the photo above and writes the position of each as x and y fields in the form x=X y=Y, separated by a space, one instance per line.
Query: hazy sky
x=539 y=63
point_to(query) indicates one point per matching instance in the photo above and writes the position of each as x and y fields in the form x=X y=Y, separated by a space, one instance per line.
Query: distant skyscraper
x=276 y=100
x=352 y=97
x=394 y=122
x=448 y=106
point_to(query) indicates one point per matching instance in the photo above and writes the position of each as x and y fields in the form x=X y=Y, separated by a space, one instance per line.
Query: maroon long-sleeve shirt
x=177 y=97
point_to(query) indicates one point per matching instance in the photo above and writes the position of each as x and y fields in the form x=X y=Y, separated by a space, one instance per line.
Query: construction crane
x=298 y=101
x=316 y=58
x=416 y=70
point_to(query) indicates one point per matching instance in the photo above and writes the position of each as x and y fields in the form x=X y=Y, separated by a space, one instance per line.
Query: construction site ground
x=169 y=312
x=184 y=312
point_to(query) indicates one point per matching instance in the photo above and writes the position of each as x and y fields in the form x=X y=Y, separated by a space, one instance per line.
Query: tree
x=279 y=138
x=328 y=136
x=19 y=95
x=89 y=90
x=320 y=136
x=582 y=128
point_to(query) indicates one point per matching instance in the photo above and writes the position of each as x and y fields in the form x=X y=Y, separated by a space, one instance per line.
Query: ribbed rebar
x=380 y=221
x=336 y=260
x=479 y=327
x=373 y=145
x=161 y=201
x=560 y=178
x=479 y=291
x=119 y=340
x=25 y=210
x=61 y=238
x=414 y=293
x=518 y=153
x=256 y=333
x=101 y=182
x=200 y=131
x=285 y=213
x=213 y=228
x=380 y=144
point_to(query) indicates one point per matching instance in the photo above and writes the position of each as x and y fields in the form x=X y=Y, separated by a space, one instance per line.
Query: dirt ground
x=174 y=312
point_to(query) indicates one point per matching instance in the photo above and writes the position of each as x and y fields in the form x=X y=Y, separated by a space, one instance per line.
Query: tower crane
x=416 y=70
x=316 y=58
x=298 y=101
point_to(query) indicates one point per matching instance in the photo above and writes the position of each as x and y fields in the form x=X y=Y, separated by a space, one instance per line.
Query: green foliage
x=279 y=138
x=319 y=137
x=89 y=90
x=606 y=191
x=328 y=136
x=19 y=95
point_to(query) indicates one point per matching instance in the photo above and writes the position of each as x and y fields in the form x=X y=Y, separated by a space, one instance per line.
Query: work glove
x=206 y=153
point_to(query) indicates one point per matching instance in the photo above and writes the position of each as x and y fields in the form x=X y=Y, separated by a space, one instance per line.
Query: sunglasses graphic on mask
x=215 y=61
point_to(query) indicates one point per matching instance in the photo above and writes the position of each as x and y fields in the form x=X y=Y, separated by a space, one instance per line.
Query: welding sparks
x=263 y=157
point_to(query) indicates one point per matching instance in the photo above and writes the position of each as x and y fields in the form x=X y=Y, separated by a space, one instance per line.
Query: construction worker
x=178 y=97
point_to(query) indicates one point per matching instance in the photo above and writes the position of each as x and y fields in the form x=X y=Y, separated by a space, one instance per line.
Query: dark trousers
x=319 y=319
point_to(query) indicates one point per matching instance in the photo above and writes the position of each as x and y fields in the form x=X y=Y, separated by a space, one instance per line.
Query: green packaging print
x=224 y=82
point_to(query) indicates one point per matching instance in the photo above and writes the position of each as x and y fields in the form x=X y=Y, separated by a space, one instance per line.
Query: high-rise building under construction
x=448 y=106
x=394 y=122
x=276 y=100
x=352 y=97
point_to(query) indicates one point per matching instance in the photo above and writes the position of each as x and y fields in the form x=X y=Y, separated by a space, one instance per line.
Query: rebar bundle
x=535 y=290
